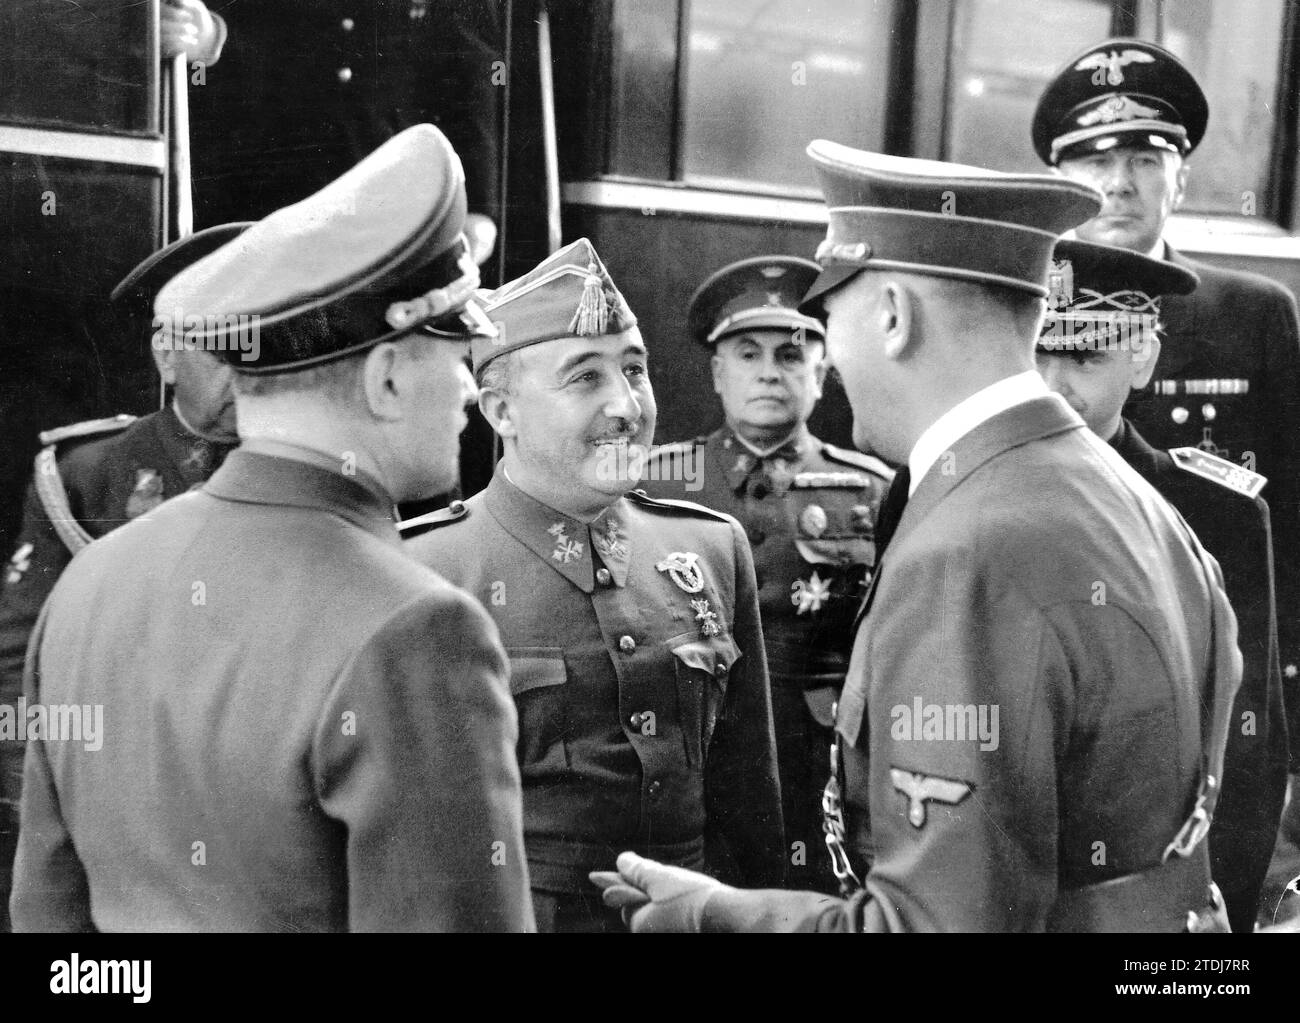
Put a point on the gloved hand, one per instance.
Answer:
(187, 27)
(655, 897)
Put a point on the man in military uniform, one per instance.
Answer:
(296, 710)
(808, 509)
(1124, 116)
(92, 477)
(1022, 731)
(632, 625)
(1099, 341)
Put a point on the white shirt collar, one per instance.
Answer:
(963, 417)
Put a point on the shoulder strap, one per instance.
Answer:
(857, 459)
(674, 507)
(54, 499)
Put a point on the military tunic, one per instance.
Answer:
(1234, 526)
(1228, 381)
(637, 667)
(809, 512)
(303, 730)
(90, 478)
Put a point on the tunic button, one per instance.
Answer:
(603, 576)
(456, 507)
(348, 24)
(627, 644)
(1179, 415)
(635, 721)
(345, 75)
(720, 669)
(654, 789)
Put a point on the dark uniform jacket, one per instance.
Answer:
(636, 664)
(1234, 527)
(90, 478)
(809, 513)
(302, 729)
(304, 89)
(1042, 578)
(1230, 371)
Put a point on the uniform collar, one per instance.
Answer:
(966, 415)
(778, 464)
(260, 473)
(569, 546)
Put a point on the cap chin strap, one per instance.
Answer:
(431, 305)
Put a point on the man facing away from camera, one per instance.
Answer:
(304, 730)
(1022, 734)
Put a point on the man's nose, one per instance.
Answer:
(768, 368)
(1118, 177)
(622, 402)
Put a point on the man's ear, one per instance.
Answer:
(165, 360)
(1144, 368)
(819, 367)
(715, 364)
(383, 378)
(895, 309)
(1180, 186)
(498, 410)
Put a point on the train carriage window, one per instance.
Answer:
(1233, 49)
(718, 92)
(1001, 60)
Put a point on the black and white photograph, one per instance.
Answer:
(650, 466)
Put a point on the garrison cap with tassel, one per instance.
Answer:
(939, 219)
(762, 293)
(1100, 296)
(376, 255)
(1119, 91)
(568, 294)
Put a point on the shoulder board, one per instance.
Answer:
(1219, 470)
(53, 496)
(412, 528)
(857, 459)
(89, 428)
(678, 447)
(677, 507)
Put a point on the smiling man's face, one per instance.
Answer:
(581, 412)
(1142, 186)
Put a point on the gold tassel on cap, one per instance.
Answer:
(593, 310)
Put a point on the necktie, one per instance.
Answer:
(891, 510)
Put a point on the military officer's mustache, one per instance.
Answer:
(619, 429)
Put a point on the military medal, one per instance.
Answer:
(684, 569)
(813, 520)
(809, 595)
(707, 618)
(566, 550)
(611, 543)
(147, 495)
(19, 563)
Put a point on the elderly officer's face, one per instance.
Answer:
(202, 383)
(769, 381)
(1096, 383)
(581, 413)
(1141, 186)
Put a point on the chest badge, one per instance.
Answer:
(920, 787)
(813, 520)
(147, 495)
(808, 595)
(684, 570)
(707, 617)
(19, 563)
(566, 549)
